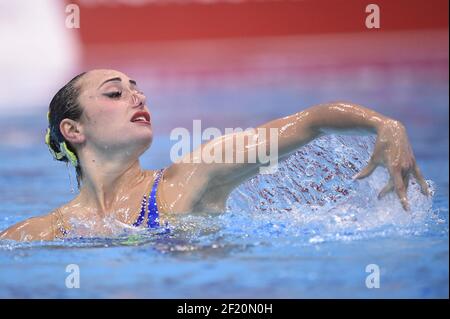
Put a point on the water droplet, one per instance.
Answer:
(309, 170)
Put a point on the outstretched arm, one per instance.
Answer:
(392, 149)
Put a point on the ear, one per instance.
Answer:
(72, 131)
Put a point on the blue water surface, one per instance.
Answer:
(308, 231)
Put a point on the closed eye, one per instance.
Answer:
(114, 95)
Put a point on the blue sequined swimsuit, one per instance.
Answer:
(150, 205)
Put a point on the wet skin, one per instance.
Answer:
(109, 144)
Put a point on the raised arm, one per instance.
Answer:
(392, 149)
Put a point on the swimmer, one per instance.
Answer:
(100, 123)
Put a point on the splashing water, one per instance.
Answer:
(313, 197)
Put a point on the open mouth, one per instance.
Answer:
(141, 117)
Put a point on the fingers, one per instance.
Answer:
(366, 171)
(399, 181)
(389, 187)
(400, 189)
(406, 177)
(419, 177)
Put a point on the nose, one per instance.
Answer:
(138, 99)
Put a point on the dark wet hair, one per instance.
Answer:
(64, 105)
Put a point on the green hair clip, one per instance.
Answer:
(57, 155)
(62, 146)
(69, 154)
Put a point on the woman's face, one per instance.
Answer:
(111, 102)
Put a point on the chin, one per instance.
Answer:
(140, 145)
(144, 135)
(144, 140)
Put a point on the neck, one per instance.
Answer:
(104, 182)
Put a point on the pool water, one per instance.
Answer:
(308, 231)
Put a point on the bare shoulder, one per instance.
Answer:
(184, 185)
(34, 228)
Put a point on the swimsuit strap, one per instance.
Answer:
(152, 207)
(142, 213)
(153, 214)
(59, 225)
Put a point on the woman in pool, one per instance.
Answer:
(100, 123)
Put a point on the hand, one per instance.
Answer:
(393, 151)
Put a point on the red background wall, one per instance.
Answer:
(112, 23)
